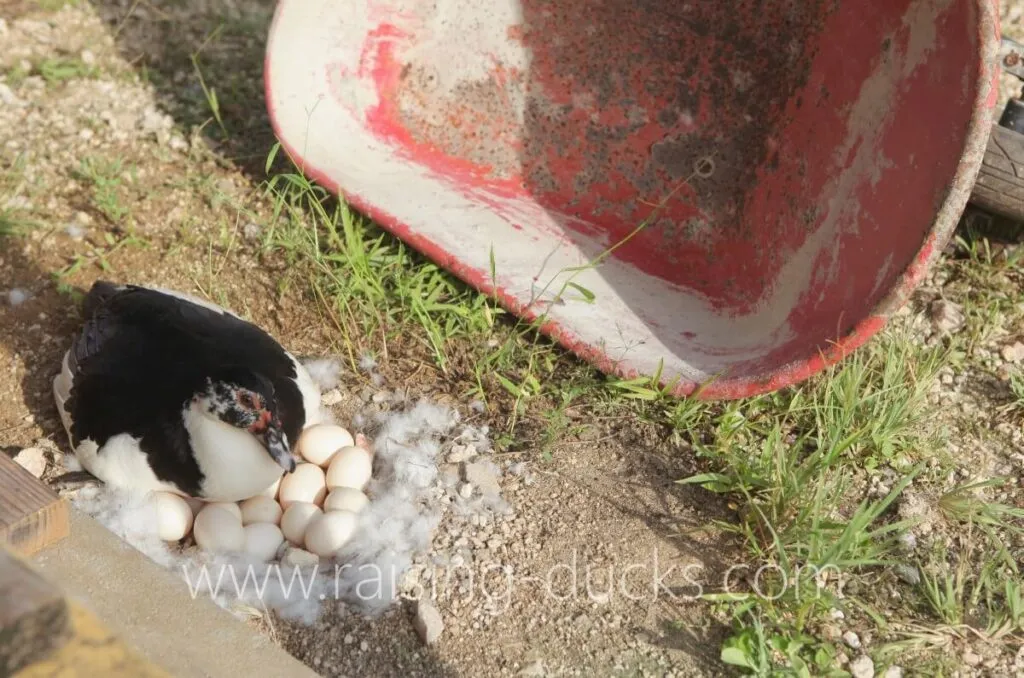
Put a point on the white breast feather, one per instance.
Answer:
(121, 463)
(235, 464)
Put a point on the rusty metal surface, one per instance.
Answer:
(794, 164)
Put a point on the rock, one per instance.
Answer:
(461, 453)
(153, 121)
(33, 460)
(297, 557)
(907, 573)
(851, 639)
(448, 474)
(946, 316)
(177, 143)
(253, 231)
(428, 622)
(972, 658)
(481, 475)
(862, 667)
(533, 670)
(1014, 353)
(830, 632)
(332, 397)
(8, 98)
(893, 672)
(75, 232)
(908, 542)
(466, 490)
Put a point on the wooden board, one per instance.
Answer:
(33, 615)
(92, 651)
(32, 516)
(42, 633)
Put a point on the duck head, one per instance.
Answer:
(245, 399)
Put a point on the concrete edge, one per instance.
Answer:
(153, 611)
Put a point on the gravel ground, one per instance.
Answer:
(91, 154)
(104, 155)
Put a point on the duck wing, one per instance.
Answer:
(149, 338)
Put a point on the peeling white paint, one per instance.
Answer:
(324, 120)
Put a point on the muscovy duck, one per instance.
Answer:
(164, 391)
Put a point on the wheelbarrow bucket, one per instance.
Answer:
(729, 195)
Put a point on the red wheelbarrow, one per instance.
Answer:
(731, 195)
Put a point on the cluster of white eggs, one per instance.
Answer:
(314, 508)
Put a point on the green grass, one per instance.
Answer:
(814, 474)
(795, 464)
(106, 178)
(54, 71)
(54, 5)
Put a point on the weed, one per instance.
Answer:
(106, 178)
(17, 75)
(98, 255)
(56, 71)
(793, 463)
(54, 5)
(791, 460)
(369, 281)
(209, 92)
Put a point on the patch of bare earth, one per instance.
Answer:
(590, 570)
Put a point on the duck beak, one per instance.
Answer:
(273, 439)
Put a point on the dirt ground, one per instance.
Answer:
(100, 153)
(115, 180)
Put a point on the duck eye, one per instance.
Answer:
(245, 400)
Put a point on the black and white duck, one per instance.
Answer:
(164, 391)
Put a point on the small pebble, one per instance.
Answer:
(8, 97)
(17, 297)
(428, 622)
(1013, 353)
(852, 639)
(908, 542)
(862, 667)
(480, 474)
(461, 453)
(33, 460)
(533, 670)
(946, 316)
(893, 672)
(907, 573)
(300, 558)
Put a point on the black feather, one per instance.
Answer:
(141, 355)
